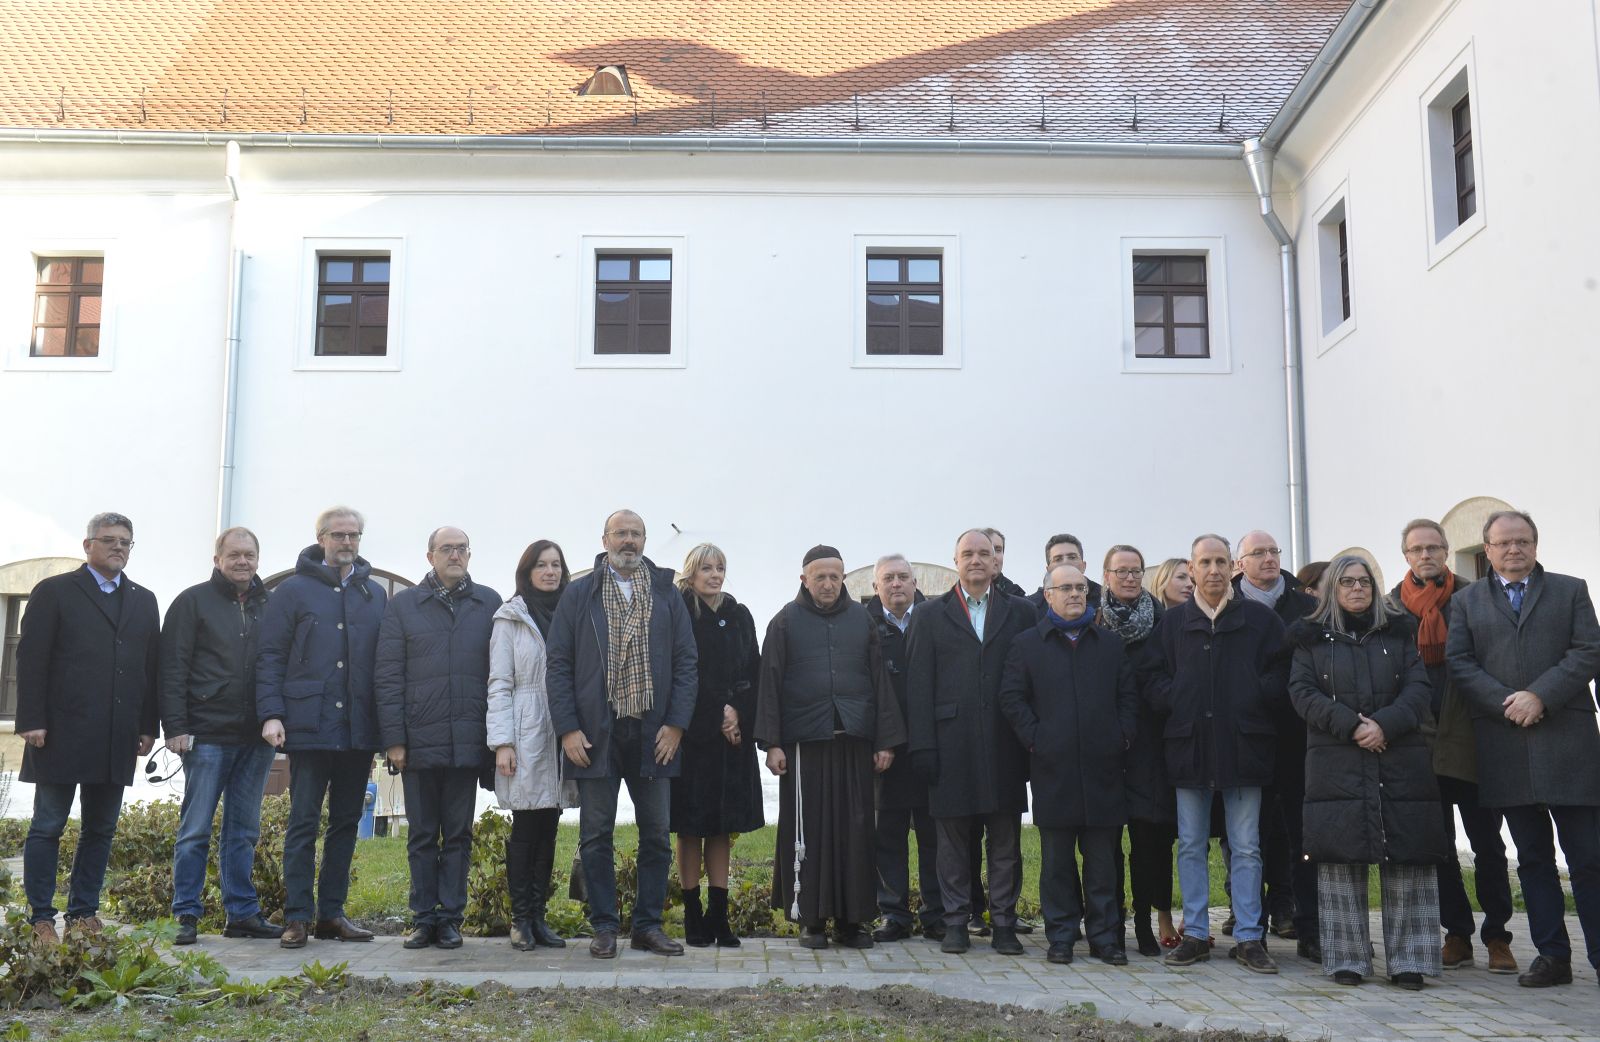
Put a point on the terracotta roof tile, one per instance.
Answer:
(1201, 70)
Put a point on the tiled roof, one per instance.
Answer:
(1202, 71)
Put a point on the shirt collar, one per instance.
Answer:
(100, 580)
(1526, 580)
(975, 602)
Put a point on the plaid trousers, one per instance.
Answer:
(1410, 897)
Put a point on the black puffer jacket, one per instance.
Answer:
(1366, 807)
(208, 662)
(432, 677)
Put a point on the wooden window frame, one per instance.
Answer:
(1167, 290)
(1450, 110)
(634, 285)
(1461, 148)
(1344, 268)
(904, 288)
(356, 290)
(74, 291)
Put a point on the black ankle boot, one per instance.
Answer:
(717, 917)
(519, 882)
(695, 934)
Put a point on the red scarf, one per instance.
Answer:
(1426, 601)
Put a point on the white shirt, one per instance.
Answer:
(623, 583)
(904, 620)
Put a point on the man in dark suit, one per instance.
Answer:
(87, 709)
(1523, 646)
(962, 745)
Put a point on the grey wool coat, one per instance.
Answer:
(1553, 650)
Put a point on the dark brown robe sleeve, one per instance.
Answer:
(889, 731)
(769, 694)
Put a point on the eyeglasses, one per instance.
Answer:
(343, 537)
(453, 549)
(109, 541)
(1350, 582)
(1128, 573)
(1504, 544)
(1071, 587)
(1264, 551)
(1431, 550)
(626, 533)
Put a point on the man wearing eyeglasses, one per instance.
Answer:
(314, 699)
(1065, 548)
(1425, 594)
(1291, 880)
(432, 691)
(86, 708)
(208, 711)
(1522, 647)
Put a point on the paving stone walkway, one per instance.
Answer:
(1299, 1003)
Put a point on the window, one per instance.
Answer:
(353, 305)
(66, 307)
(633, 304)
(1461, 144)
(1452, 143)
(1332, 240)
(905, 304)
(1169, 307)
(608, 80)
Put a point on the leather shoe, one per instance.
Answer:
(1309, 949)
(447, 935)
(1111, 955)
(814, 936)
(294, 934)
(1546, 972)
(852, 935)
(188, 929)
(421, 936)
(934, 931)
(891, 931)
(1408, 981)
(956, 941)
(341, 929)
(255, 926)
(1060, 954)
(44, 932)
(1005, 941)
(654, 940)
(1500, 958)
(1349, 978)
(604, 945)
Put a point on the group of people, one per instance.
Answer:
(1318, 728)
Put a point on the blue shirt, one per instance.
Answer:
(977, 608)
(106, 585)
(902, 622)
(1505, 585)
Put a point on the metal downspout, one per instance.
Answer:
(1258, 160)
(230, 367)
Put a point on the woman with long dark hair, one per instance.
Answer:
(719, 792)
(527, 751)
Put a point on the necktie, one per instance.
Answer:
(1514, 590)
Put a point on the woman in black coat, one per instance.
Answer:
(1371, 797)
(1131, 612)
(719, 791)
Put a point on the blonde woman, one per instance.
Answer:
(1170, 582)
(718, 792)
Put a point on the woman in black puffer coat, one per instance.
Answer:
(718, 794)
(1371, 797)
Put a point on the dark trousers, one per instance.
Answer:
(440, 802)
(955, 866)
(1302, 872)
(1493, 878)
(1059, 885)
(340, 778)
(1541, 885)
(1150, 865)
(41, 851)
(894, 874)
(980, 897)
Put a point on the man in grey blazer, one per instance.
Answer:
(1522, 648)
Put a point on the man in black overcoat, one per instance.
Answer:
(87, 708)
(961, 743)
(1070, 694)
(1523, 646)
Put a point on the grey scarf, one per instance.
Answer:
(1132, 622)
(1260, 596)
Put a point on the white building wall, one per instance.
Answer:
(1473, 372)
(767, 441)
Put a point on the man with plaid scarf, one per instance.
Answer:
(622, 684)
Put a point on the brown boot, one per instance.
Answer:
(44, 932)
(1500, 958)
(1457, 951)
(294, 934)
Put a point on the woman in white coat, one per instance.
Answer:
(527, 750)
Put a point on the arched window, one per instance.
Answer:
(607, 81)
(1463, 528)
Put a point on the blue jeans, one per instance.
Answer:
(41, 853)
(341, 778)
(1242, 807)
(597, 817)
(235, 775)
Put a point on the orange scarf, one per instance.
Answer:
(1426, 601)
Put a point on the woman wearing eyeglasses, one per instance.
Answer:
(1371, 797)
(1131, 612)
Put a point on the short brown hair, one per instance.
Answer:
(1506, 515)
(1422, 522)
